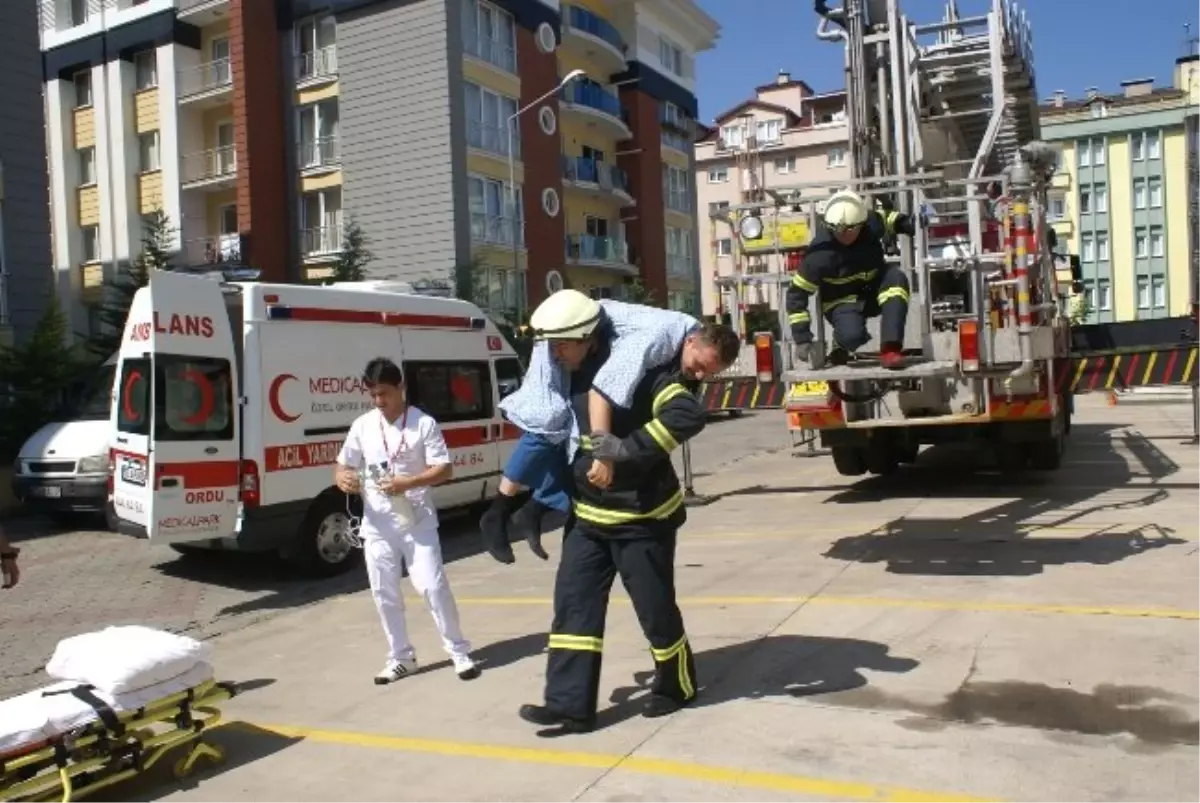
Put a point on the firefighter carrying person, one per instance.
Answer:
(627, 528)
(846, 261)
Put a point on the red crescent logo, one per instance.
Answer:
(273, 398)
(207, 400)
(126, 392)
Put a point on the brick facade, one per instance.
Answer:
(647, 231)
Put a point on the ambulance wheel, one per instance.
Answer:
(320, 548)
(850, 461)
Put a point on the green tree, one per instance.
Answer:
(470, 284)
(118, 291)
(352, 261)
(36, 376)
(636, 292)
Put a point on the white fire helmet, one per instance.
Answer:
(565, 315)
(844, 210)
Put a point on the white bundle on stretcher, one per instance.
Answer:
(126, 668)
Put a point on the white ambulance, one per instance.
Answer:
(232, 400)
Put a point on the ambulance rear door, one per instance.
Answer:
(176, 451)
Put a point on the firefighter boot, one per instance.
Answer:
(528, 522)
(493, 525)
(891, 357)
(549, 718)
(838, 356)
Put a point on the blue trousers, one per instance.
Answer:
(541, 466)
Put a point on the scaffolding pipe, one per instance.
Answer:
(1023, 239)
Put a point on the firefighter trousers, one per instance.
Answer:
(581, 590)
(889, 300)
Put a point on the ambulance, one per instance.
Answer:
(231, 401)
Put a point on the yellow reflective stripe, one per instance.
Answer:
(666, 394)
(678, 649)
(889, 222)
(585, 442)
(562, 641)
(828, 305)
(893, 292)
(865, 276)
(804, 284)
(799, 317)
(598, 515)
(662, 436)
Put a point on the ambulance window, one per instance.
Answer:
(193, 399)
(133, 398)
(508, 376)
(450, 391)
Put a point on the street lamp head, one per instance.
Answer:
(571, 76)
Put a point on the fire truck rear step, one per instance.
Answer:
(915, 369)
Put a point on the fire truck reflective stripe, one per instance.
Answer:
(378, 317)
(741, 397)
(728, 391)
(804, 284)
(210, 474)
(754, 398)
(1035, 408)
(1078, 373)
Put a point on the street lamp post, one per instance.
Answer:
(512, 176)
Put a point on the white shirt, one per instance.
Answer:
(409, 446)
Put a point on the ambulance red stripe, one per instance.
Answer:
(324, 453)
(378, 317)
(209, 474)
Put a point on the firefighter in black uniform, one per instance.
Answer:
(629, 529)
(845, 260)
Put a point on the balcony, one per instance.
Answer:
(498, 53)
(680, 266)
(597, 178)
(319, 155)
(492, 139)
(201, 12)
(593, 37)
(496, 230)
(210, 170)
(679, 201)
(206, 85)
(220, 250)
(317, 66)
(594, 105)
(600, 252)
(321, 242)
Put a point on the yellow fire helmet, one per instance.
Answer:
(565, 315)
(844, 210)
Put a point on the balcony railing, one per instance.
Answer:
(673, 139)
(679, 266)
(57, 15)
(218, 250)
(581, 19)
(321, 241)
(495, 229)
(208, 165)
(492, 138)
(319, 63)
(588, 248)
(679, 201)
(207, 77)
(184, 5)
(320, 152)
(608, 176)
(595, 97)
(494, 51)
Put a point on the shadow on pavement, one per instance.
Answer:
(774, 666)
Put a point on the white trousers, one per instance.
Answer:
(421, 551)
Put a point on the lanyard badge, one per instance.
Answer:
(393, 457)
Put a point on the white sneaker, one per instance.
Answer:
(395, 670)
(466, 668)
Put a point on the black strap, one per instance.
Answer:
(103, 710)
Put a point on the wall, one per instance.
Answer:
(26, 255)
(1175, 202)
(1120, 229)
(646, 231)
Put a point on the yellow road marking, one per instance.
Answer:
(822, 788)
(977, 606)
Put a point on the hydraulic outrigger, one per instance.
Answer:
(943, 122)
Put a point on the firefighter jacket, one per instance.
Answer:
(645, 496)
(844, 273)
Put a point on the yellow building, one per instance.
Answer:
(1122, 197)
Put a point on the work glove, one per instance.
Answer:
(606, 446)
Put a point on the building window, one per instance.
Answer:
(489, 33)
(1085, 202)
(316, 48)
(1152, 145)
(769, 131)
(1156, 197)
(145, 69)
(1101, 247)
(1105, 302)
(718, 175)
(1087, 250)
(677, 190)
(493, 217)
(1143, 145)
(724, 247)
(1083, 153)
(671, 55)
(1156, 241)
(1098, 152)
(679, 252)
(1143, 292)
(1099, 109)
(488, 115)
(91, 243)
(87, 166)
(1140, 246)
(148, 151)
(1058, 208)
(1101, 199)
(785, 165)
(836, 157)
(1158, 291)
(1139, 194)
(715, 207)
(79, 12)
(83, 89)
(732, 136)
(318, 125)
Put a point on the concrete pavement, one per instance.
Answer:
(941, 634)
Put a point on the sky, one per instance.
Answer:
(1077, 44)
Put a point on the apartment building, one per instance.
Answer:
(25, 275)
(786, 134)
(1124, 196)
(442, 127)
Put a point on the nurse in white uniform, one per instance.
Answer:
(393, 455)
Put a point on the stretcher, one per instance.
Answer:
(68, 739)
